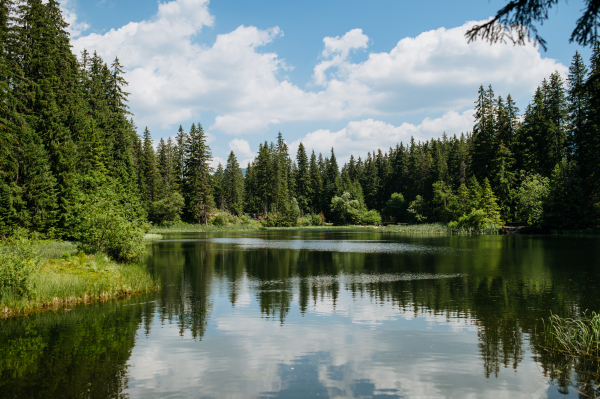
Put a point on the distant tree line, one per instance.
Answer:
(72, 164)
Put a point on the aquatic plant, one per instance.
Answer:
(578, 337)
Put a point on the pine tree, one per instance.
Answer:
(316, 184)
(280, 176)
(150, 173)
(233, 185)
(589, 149)
(166, 166)
(180, 156)
(489, 204)
(264, 178)
(578, 102)
(198, 191)
(484, 134)
(331, 183)
(218, 189)
(304, 188)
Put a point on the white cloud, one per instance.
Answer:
(242, 151)
(360, 137)
(340, 49)
(75, 28)
(173, 78)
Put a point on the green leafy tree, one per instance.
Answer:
(346, 210)
(395, 207)
(531, 197)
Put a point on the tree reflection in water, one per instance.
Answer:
(501, 286)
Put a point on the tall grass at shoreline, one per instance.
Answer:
(193, 228)
(577, 337)
(428, 228)
(44, 275)
(439, 228)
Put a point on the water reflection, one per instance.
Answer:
(285, 314)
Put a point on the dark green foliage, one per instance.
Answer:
(395, 207)
(304, 188)
(16, 265)
(105, 219)
(65, 131)
(233, 186)
(199, 201)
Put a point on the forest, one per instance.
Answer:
(73, 165)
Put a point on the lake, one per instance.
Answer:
(316, 313)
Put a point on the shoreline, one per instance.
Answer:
(59, 280)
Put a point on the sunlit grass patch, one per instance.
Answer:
(577, 337)
(192, 228)
(439, 228)
(72, 279)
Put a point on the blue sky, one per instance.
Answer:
(355, 75)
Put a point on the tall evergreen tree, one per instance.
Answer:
(304, 188)
(316, 183)
(578, 102)
(233, 185)
(198, 191)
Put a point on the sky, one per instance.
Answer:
(353, 75)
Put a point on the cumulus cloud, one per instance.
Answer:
(339, 48)
(173, 77)
(75, 27)
(360, 137)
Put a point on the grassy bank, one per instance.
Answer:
(439, 228)
(48, 275)
(428, 228)
(197, 228)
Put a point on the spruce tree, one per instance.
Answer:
(198, 191)
(219, 189)
(484, 133)
(304, 188)
(233, 185)
(316, 184)
(578, 102)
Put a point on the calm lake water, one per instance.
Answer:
(321, 314)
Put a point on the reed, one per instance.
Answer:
(440, 228)
(194, 228)
(577, 337)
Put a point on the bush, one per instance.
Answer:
(395, 207)
(245, 219)
(221, 219)
(476, 220)
(418, 209)
(317, 220)
(16, 266)
(104, 220)
(371, 217)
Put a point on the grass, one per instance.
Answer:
(72, 279)
(152, 237)
(427, 228)
(438, 228)
(580, 338)
(193, 228)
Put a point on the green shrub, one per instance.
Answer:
(221, 219)
(17, 263)
(103, 220)
(317, 220)
(476, 221)
(371, 217)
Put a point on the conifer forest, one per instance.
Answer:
(72, 156)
